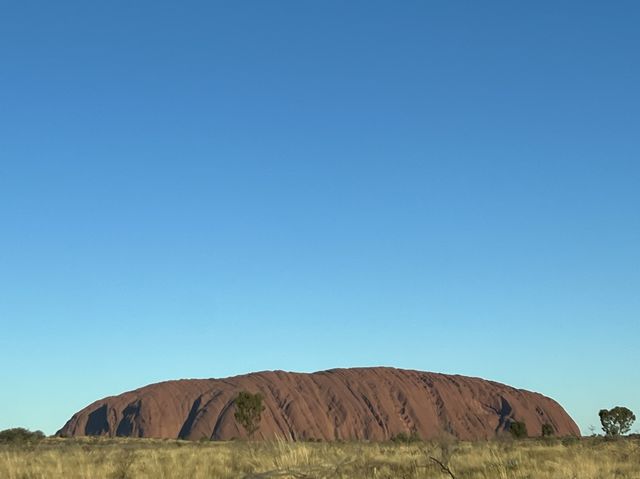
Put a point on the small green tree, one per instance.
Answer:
(616, 421)
(518, 429)
(547, 430)
(249, 409)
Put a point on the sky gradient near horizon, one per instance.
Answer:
(203, 189)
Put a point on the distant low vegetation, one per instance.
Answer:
(20, 435)
(405, 438)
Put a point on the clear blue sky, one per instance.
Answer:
(202, 189)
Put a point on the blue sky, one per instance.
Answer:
(206, 189)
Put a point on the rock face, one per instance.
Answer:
(359, 403)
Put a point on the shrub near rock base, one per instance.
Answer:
(518, 429)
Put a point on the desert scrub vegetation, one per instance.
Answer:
(587, 458)
(19, 435)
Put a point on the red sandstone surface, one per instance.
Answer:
(358, 403)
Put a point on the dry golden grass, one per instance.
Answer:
(155, 459)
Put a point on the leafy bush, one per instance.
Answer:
(20, 434)
(518, 429)
(547, 430)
